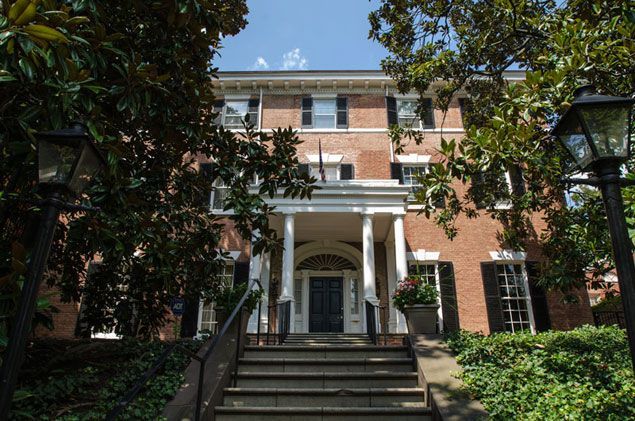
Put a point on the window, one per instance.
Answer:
(411, 174)
(208, 314)
(491, 189)
(232, 113)
(325, 113)
(425, 271)
(514, 296)
(354, 296)
(407, 116)
(297, 295)
(219, 194)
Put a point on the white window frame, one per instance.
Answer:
(414, 183)
(417, 123)
(201, 305)
(504, 204)
(314, 114)
(218, 187)
(225, 115)
(511, 257)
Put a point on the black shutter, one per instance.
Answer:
(303, 169)
(449, 303)
(189, 320)
(516, 177)
(478, 181)
(218, 108)
(253, 111)
(427, 114)
(396, 172)
(207, 173)
(492, 297)
(241, 273)
(391, 108)
(307, 112)
(346, 172)
(538, 297)
(342, 112)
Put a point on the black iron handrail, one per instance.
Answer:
(371, 321)
(152, 371)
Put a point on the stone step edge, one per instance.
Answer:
(385, 348)
(374, 391)
(317, 375)
(334, 410)
(325, 361)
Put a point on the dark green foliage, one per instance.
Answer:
(138, 74)
(582, 374)
(229, 296)
(83, 381)
(469, 45)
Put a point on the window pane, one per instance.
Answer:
(297, 295)
(354, 296)
(406, 107)
(324, 106)
(238, 108)
(514, 299)
(324, 121)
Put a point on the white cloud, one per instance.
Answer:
(294, 60)
(260, 64)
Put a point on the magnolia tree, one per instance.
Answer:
(469, 45)
(138, 74)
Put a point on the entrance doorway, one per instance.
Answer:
(326, 308)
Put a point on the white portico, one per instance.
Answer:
(328, 267)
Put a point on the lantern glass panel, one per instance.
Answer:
(56, 159)
(574, 139)
(609, 128)
(88, 166)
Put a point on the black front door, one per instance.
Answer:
(326, 309)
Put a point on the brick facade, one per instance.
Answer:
(366, 145)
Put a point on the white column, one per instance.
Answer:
(401, 262)
(368, 246)
(264, 280)
(254, 273)
(287, 265)
(391, 274)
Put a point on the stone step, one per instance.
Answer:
(311, 365)
(327, 335)
(325, 351)
(251, 413)
(325, 343)
(325, 380)
(373, 397)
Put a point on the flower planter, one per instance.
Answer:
(421, 318)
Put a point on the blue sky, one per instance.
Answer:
(303, 35)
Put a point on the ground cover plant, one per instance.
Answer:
(82, 380)
(582, 374)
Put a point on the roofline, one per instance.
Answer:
(326, 75)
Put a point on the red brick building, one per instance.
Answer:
(360, 233)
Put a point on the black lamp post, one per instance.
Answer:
(597, 131)
(67, 161)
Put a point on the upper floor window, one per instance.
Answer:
(334, 169)
(427, 272)
(493, 189)
(411, 175)
(232, 113)
(403, 112)
(325, 113)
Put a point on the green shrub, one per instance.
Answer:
(84, 381)
(582, 374)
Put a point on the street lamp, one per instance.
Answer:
(597, 132)
(67, 162)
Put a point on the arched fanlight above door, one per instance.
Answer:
(326, 262)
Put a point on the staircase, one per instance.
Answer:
(325, 377)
